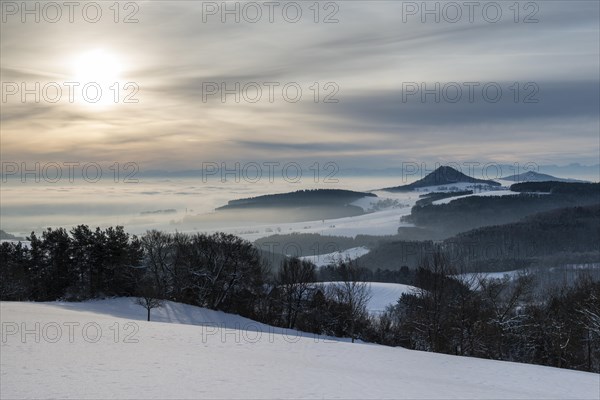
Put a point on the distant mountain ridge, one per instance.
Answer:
(444, 175)
(532, 176)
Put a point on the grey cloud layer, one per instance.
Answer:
(369, 54)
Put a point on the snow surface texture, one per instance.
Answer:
(173, 360)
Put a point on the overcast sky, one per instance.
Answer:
(369, 61)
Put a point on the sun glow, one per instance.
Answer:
(99, 76)
(97, 66)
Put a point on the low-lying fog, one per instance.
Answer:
(152, 203)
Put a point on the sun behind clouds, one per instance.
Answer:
(97, 66)
(99, 75)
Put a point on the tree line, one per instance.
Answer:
(217, 271)
(497, 319)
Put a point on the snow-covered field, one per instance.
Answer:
(384, 294)
(105, 350)
(384, 222)
(456, 186)
(473, 279)
(321, 260)
(488, 193)
(366, 203)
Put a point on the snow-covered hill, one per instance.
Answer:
(484, 194)
(170, 312)
(532, 176)
(103, 350)
(384, 294)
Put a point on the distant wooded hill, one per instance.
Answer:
(532, 176)
(473, 212)
(299, 206)
(442, 176)
(573, 233)
(577, 188)
(300, 198)
(569, 235)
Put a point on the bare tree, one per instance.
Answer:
(591, 313)
(504, 296)
(148, 296)
(436, 289)
(158, 249)
(352, 291)
(295, 278)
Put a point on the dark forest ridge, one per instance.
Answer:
(444, 175)
(300, 198)
(575, 188)
(532, 176)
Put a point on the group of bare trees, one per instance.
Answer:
(503, 319)
(352, 291)
(217, 271)
(297, 300)
(591, 314)
(296, 283)
(224, 272)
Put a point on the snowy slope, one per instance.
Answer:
(455, 186)
(473, 278)
(488, 193)
(170, 312)
(383, 294)
(321, 260)
(169, 360)
(366, 203)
